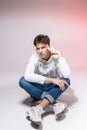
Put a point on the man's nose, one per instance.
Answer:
(40, 50)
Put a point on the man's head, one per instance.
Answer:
(42, 44)
(42, 39)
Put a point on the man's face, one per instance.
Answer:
(42, 51)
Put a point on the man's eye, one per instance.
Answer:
(37, 48)
(43, 47)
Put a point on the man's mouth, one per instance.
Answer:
(41, 54)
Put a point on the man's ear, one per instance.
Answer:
(48, 46)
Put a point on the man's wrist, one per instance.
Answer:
(59, 54)
(48, 80)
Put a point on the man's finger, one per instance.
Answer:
(66, 83)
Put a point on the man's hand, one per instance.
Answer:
(60, 83)
(54, 52)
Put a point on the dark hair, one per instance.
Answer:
(42, 39)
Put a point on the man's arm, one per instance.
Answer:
(29, 72)
(54, 52)
(63, 66)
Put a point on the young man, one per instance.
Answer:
(45, 78)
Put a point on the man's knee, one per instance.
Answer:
(66, 79)
(21, 81)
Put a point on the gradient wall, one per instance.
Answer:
(64, 22)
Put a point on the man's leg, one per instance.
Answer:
(35, 112)
(47, 97)
(59, 108)
(44, 103)
(51, 95)
(34, 89)
(55, 91)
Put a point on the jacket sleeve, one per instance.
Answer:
(63, 67)
(29, 72)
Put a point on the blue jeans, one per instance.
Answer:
(39, 91)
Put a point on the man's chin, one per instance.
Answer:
(42, 57)
(45, 58)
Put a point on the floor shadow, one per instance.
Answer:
(29, 101)
(39, 127)
(69, 97)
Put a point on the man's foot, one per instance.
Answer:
(35, 115)
(59, 110)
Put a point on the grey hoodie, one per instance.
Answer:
(38, 69)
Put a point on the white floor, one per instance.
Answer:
(14, 102)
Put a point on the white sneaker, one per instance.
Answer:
(59, 109)
(35, 115)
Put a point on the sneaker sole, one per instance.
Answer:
(61, 114)
(35, 122)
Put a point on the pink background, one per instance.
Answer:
(64, 22)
